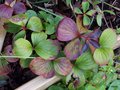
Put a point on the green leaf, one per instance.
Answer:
(25, 63)
(108, 38)
(20, 19)
(90, 87)
(79, 74)
(37, 37)
(98, 79)
(91, 12)
(99, 19)
(103, 55)
(30, 13)
(118, 30)
(11, 27)
(77, 10)
(54, 87)
(62, 66)
(115, 85)
(85, 6)
(21, 34)
(50, 29)
(68, 2)
(35, 24)
(86, 20)
(22, 47)
(109, 11)
(46, 49)
(85, 61)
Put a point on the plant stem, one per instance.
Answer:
(16, 57)
(112, 6)
(48, 11)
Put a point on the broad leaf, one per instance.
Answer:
(108, 38)
(85, 6)
(21, 34)
(20, 19)
(62, 66)
(22, 47)
(72, 49)
(46, 49)
(30, 13)
(19, 8)
(67, 29)
(85, 61)
(50, 29)
(42, 67)
(37, 37)
(5, 11)
(35, 24)
(11, 27)
(103, 55)
(115, 85)
(86, 20)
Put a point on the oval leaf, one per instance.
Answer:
(46, 49)
(42, 67)
(5, 11)
(108, 38)
(37, 37)
(103, 55)
(62, 66)
(72, 49)
(35, 24)
(22, 47)
(85, 61)
(67, 30)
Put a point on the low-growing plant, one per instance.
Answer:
(50, 45)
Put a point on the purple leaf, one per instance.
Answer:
(4, 70)
(94, 43)
(95, 34)
(62, 66)
(8, 52)
(67, 30)
(84, 48)
(5, 11)
(42, 67)
(8, 2)
(72, 50)
(19, 8)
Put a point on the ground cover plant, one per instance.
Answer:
(73, 40)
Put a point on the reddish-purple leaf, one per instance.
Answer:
(84, 48)
(42, 67)
(8, 2)
(62, 66)
(94, 43)
(73, 48)
(8, 52)
(67, 30)
(95, 34)
(19, 8)
(5, 11)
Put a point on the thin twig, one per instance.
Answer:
(16, 57)
(112, 6)
(48, 11)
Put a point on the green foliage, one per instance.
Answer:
(22, 47)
